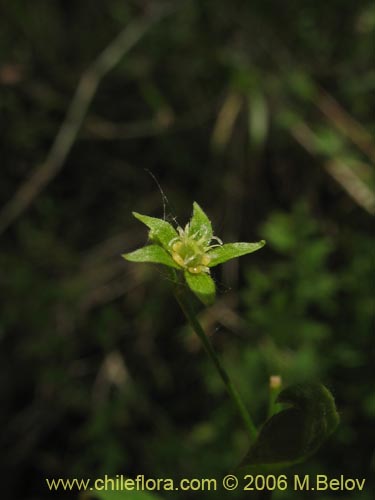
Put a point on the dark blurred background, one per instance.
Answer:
(261, 111)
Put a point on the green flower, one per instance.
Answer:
(192, 250)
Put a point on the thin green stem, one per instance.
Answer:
(189, 312)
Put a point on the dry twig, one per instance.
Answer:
(352, 183)
(345, 123)
(66, 136)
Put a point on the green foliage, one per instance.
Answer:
(295, 433)
(281, 298)
(98, 372)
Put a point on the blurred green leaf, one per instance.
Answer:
(293, 434)
(329, 142)
(302, 84)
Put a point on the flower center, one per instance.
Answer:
(189, 254)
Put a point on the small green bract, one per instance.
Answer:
(192, 250)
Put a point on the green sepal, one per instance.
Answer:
(200, 224)
(221, 254)
(202, 285)
(161, 230)
(151, 253)
(295, 433)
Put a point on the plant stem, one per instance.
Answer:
(189, 312)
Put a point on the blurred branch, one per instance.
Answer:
(341, 172)
(107, 130)
(285, 61)
(108, 292)
(345, 123)
(225, 121)
(75, 115)
(104, 275)
(164, 122)
(352, 184)
(110, 248)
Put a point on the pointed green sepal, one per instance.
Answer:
(152, 253)
(295, 433)
(202, 285)
(160, 230)
(200, 224)
(221, 254)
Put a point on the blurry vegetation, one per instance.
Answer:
(261, 111)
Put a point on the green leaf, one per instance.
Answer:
(151, 253)
(161, 230)
(293, 434)
(203, 286)
(200, 223)
(229, 251)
